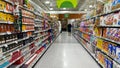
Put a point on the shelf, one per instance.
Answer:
(88, 26)
(109, 40)
(38, 26)
(27, 23)
(5, 22)
(109, 26)
(18, 48)
(106, 54)
(27, 58)
(8, 1)
(37, 20)
(45, 38)
(103, 38)
(11, 42)
(27, 30)
(108, 13)
(27, 17)
(39, 15)
(6, 12)
(42, 30)
(20, 56)
(114, 11)
(40, 36)
(39, 55)
(26, 9)
(92, 55)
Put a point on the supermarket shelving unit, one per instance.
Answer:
(25, 35)
(100, 40)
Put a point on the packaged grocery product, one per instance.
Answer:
(3, 4)
(109, 19)
(118, 54)
(19, 61)
(9, 8)
(119, 18)
(108, 6)
(100, 7)
(116, 19)
(106, 63)
(105, 46)
(114, 4)
(3, 17)
(23, 27)
(118, 35)
(102, 21)
(110, 49)
(99, 43)
(114, 51)
(97, 31)
(118, 4)
(104, 33)
(110, 64)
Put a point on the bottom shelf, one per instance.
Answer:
(39, 56)
(90, 53)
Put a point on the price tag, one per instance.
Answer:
(8, 32)
(6, 45)
(16, 41)
(10, 53)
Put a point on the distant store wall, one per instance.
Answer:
(70, 16)
(65, 17)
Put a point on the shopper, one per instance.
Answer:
(69, 27)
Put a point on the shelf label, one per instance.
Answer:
(6, 45)
(16, 41)
(8, 32)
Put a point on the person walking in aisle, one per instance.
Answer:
(69, 27)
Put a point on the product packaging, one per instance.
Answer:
(116, 19)
(106, 63)
(114, 51)
(108, 6)
(114, 4)
(3, 4)
(110, 64)
(110, 49)
(118, 54)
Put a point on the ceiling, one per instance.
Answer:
(52, 5)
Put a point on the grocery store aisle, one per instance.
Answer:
(66, 52)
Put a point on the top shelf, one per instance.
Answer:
(8, 1)
(26, 9)
(109, 26)
(114, 11)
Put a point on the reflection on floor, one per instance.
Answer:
(66, 52)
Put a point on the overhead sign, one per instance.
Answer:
(67, 3)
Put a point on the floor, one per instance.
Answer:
(66, 52)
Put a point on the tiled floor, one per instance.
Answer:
(66, 52)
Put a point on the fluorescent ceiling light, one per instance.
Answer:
(51, 8)
(85, 10)
(63, 12)
(64, 8)
(90, 6)
(47, 2)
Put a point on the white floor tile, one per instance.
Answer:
(66, 52)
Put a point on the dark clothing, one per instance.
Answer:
(69, 27)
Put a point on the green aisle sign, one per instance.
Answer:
(67, 3)
(66, 15)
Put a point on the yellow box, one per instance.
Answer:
(2, 5)
(23, 27)
(99, 43)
